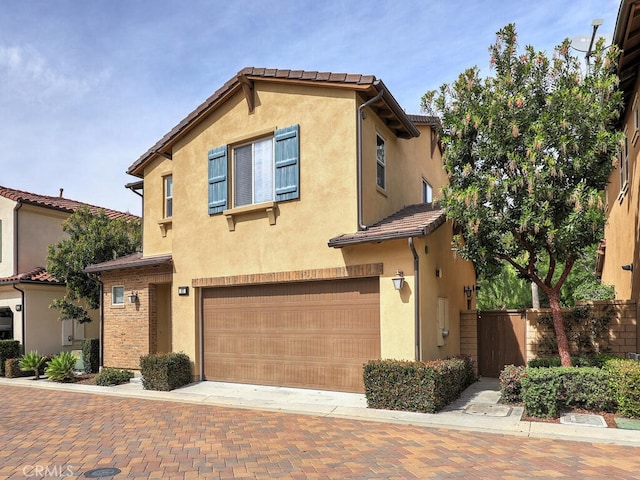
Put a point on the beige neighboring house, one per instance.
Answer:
(29, 223)
(277, 217)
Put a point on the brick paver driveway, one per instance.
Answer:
(53, 434)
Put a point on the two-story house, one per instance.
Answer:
(290, 235)
(29, 223)
(619, 255)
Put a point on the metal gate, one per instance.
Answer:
(502, 339)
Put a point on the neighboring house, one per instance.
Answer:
(29, 223)
(619, 255)
(276, 216)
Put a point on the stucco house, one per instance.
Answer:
(280, 218)
(619, 253)
(29, 223)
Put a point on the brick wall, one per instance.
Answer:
(130, 329)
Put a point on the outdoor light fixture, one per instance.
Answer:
(133, 298)
(467, 291)
(18, 308)
(398, 280)
(628, 268)
(183, 291)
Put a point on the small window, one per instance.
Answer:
(253, 173)
(381, 176)
(117, 295)
(624, 166)
(427, 192)
(168, 196)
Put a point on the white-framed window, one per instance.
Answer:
(427, 192)
(636, 120)
(168, 196)
(253, 172)
(117, 295)
(381, 162)
(624, 165)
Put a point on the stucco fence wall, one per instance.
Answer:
(623, 329)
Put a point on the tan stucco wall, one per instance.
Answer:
(37, 229)
(622, 232)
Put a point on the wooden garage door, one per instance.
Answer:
(308, 334)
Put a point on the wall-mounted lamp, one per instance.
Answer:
(398, 280)
(183, 291)
(18, 308)
(438, 273)
(468, 291)
(628, 268)
(133, 298)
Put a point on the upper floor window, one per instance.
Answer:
(117, 295)
(253, 173)
(262, 170)
(381, 154)
(427, 192)
(168, 196)
(624, 165)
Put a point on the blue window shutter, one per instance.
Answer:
(287, 163)
(218, 179)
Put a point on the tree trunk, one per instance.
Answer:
(558, 325)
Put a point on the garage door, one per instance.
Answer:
(308, 334)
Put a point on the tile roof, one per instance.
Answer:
(36, 275)
(57, 203)
(368, 85)
(129, 261)
(412, 221)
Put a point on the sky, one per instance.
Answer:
(86, 87)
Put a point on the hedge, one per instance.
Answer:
(546, 391)
(113, 376)
(91, 355)
(165, 371)
(8, 349)
(625, 377)
(416, 386)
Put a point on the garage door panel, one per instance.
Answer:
(311, 334)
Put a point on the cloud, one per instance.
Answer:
(27, 76)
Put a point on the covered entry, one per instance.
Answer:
(315, 334)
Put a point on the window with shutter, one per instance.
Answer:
(381, 173)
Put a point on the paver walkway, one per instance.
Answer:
(68, 433)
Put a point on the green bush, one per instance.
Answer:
(576, 361)
(91, 355)
(8, 349)
(12, 369)
(625, 381)
(547, 391)
(510, 384)
(416, 386)
(32, 362)
(165, 371)
(61, 368)
(113, 376)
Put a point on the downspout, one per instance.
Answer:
(361, 225)
(15, 237)
(416, 313)
(201, 333)
(23, 316)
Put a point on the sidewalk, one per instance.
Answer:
(477, 409)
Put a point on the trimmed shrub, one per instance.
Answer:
(165, 371)
(91, 355)
(510, 384)
(576, 361)
(625, 381)
(547, 391)
(113, 376)
(12, 369)
(8, 349)
(61, 368)
(416, 386)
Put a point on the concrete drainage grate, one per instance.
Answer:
(583, 419)
(102, 472)
(488, 410)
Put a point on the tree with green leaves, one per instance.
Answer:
(93, 237)
(528, 152)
